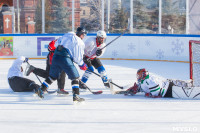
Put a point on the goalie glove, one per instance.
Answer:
(133, 90)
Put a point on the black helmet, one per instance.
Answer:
(80, 31)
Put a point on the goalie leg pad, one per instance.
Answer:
(181, 83)
(186, 92)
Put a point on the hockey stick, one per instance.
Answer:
(49, 92)
(93, 92)
(114, 39)
(96, 92)
(110, 82)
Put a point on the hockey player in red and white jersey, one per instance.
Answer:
(45, 73)
(157, 87)
(92, 52)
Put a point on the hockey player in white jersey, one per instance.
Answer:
(157, 87)
(92, 52)
(69, 49)
(16, 80)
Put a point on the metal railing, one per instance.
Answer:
(146, 16)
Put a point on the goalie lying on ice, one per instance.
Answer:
(156, 87)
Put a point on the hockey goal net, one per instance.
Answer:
(194, 51)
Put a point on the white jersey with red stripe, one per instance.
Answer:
(91, 48)
(156, 86)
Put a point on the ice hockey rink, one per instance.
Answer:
(105, 113)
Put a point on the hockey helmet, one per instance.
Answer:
(141, 74)
(51, 46)
(80, 31)
(101, 34)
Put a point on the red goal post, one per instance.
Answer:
(194, 56)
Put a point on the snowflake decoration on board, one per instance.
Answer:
(147, 43)
(160, 54)
(16, 52)
(114, 53)
(27, 43)
(177, 47)
(131, 47)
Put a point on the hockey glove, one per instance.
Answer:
(26, 60)
(83, 67)
(133, 90)
(86, 59)
(147, 95)
(98, 52)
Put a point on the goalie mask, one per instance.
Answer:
(141, 74)
(101, 37)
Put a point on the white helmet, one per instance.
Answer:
(101, 34)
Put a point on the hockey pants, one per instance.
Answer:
(20, 84)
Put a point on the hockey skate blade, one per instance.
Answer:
(51, 92)
(26, 69)
(82, 90)
(112, 90)
(78, 103)
(62, 95)
(37, 97)
(111, 87)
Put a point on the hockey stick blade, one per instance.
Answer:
(97, 92)
(120, 92)
(51, 92)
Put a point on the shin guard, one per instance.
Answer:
(103, 74)
(75, 87)
(46, 83)
(87, 74)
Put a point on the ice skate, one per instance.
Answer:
(109, 86)
(62, 92)
(39, 92)
(29, 69)
(77, 99)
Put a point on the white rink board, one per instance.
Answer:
(130, 46)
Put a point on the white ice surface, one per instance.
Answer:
(105, 113)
